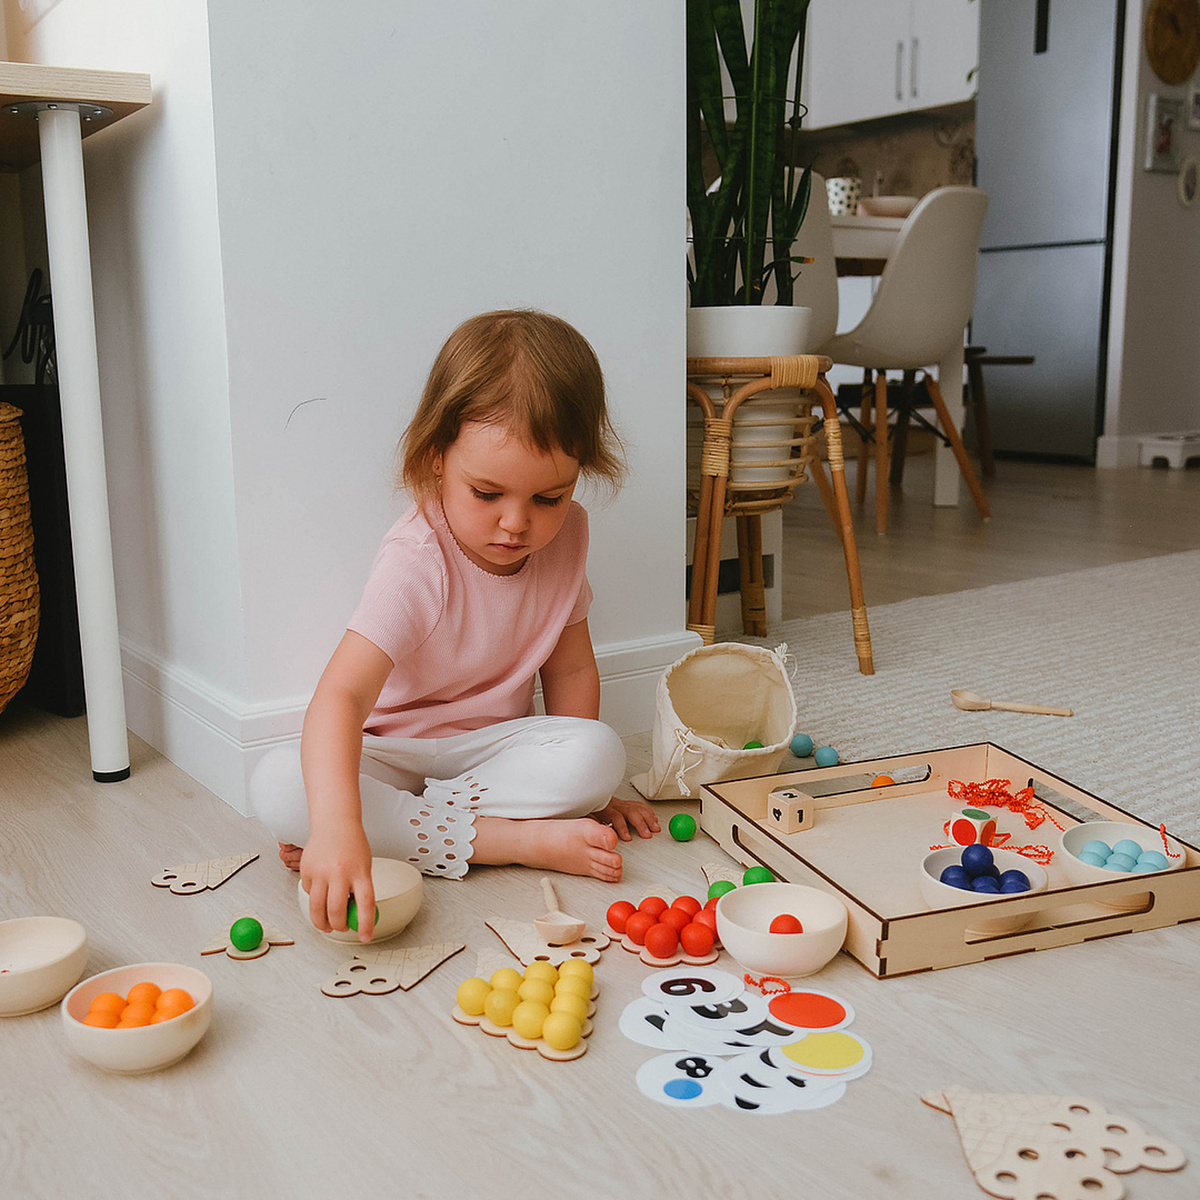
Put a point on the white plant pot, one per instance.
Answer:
(749, 331)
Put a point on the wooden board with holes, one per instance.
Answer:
(866, 846)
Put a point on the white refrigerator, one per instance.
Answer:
(1045, 148)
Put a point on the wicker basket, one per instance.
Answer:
(18, 575)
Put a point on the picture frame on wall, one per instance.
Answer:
(1164, 123)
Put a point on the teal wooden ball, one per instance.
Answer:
(802, 745)
(826, 756)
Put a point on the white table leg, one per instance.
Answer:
(79, 390)
(946, 473)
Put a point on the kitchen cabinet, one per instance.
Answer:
(879, 58)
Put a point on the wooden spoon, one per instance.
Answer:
(969, 702)
(556, 927)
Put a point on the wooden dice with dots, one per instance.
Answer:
(789, 810)
(970, 825)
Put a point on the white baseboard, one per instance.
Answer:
(1118, 450)
(218, 740)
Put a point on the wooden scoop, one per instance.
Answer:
(556, 927)
(969, 702)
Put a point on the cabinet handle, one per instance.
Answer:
(899, 70)
(913, 89)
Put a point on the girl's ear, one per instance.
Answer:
(436, 464)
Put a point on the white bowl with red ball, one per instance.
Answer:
(745, 916)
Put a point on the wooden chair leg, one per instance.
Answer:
(860, 480)
(881, 451)
(956, 445)
(752, 581)
(900, 430)
(837, 473)
(983, 432)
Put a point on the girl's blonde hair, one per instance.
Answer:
(526, 370)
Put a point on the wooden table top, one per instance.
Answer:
(121, 92)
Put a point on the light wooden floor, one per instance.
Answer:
(295, 1094)
(1046, 519)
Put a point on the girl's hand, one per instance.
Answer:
(622, 814)
(334, 866)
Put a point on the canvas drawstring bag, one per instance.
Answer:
(708, 705)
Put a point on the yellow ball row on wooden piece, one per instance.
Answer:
(545, 1002)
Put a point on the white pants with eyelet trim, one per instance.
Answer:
(420, 796)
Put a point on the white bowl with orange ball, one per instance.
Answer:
(40, 959)
(745, 916)
(135, 1050)
(398, 889)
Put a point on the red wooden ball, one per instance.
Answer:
(618, 914)
(707, 917)
(661, 940)
(689, 904)
(636, 926)
(653, 905)
(786, 923)
(675, 917)
(697, 939)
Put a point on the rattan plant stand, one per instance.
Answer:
(19, 599)
(767, 483)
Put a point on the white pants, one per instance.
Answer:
(420, 796)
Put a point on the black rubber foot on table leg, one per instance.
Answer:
(110, 776)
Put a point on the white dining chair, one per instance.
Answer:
(920, 310)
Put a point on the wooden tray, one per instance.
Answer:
(866, 846)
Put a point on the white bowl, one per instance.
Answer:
(1072, 840)
(41, 958)
(744, 918)
(886, 206)
(937, 894)
(397, 896)
(151, 1047)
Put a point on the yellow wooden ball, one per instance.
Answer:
(562, 1030)
(506, 978)
(577, 966)
(499, 1006)
(536, 989)
(575, 1005)
(573, 985)
(471, 995)
(528, 1018)
(542, 970)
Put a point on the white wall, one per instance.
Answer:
(1154, 350)
(281, 243)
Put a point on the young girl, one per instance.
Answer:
(421, 742)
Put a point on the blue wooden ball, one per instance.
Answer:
(826, 756)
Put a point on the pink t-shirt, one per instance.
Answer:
(466, 644)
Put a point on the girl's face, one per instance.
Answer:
(503, 499)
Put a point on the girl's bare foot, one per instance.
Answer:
(289, 855)
(575, 847)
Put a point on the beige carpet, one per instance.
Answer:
(1120, 645)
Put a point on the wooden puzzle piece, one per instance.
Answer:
(271, 937)
(377, 972)
(721, 873)
(693, 960)
(1056, 1147)
(190, 878)
(522, 938)
(539, 1044)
